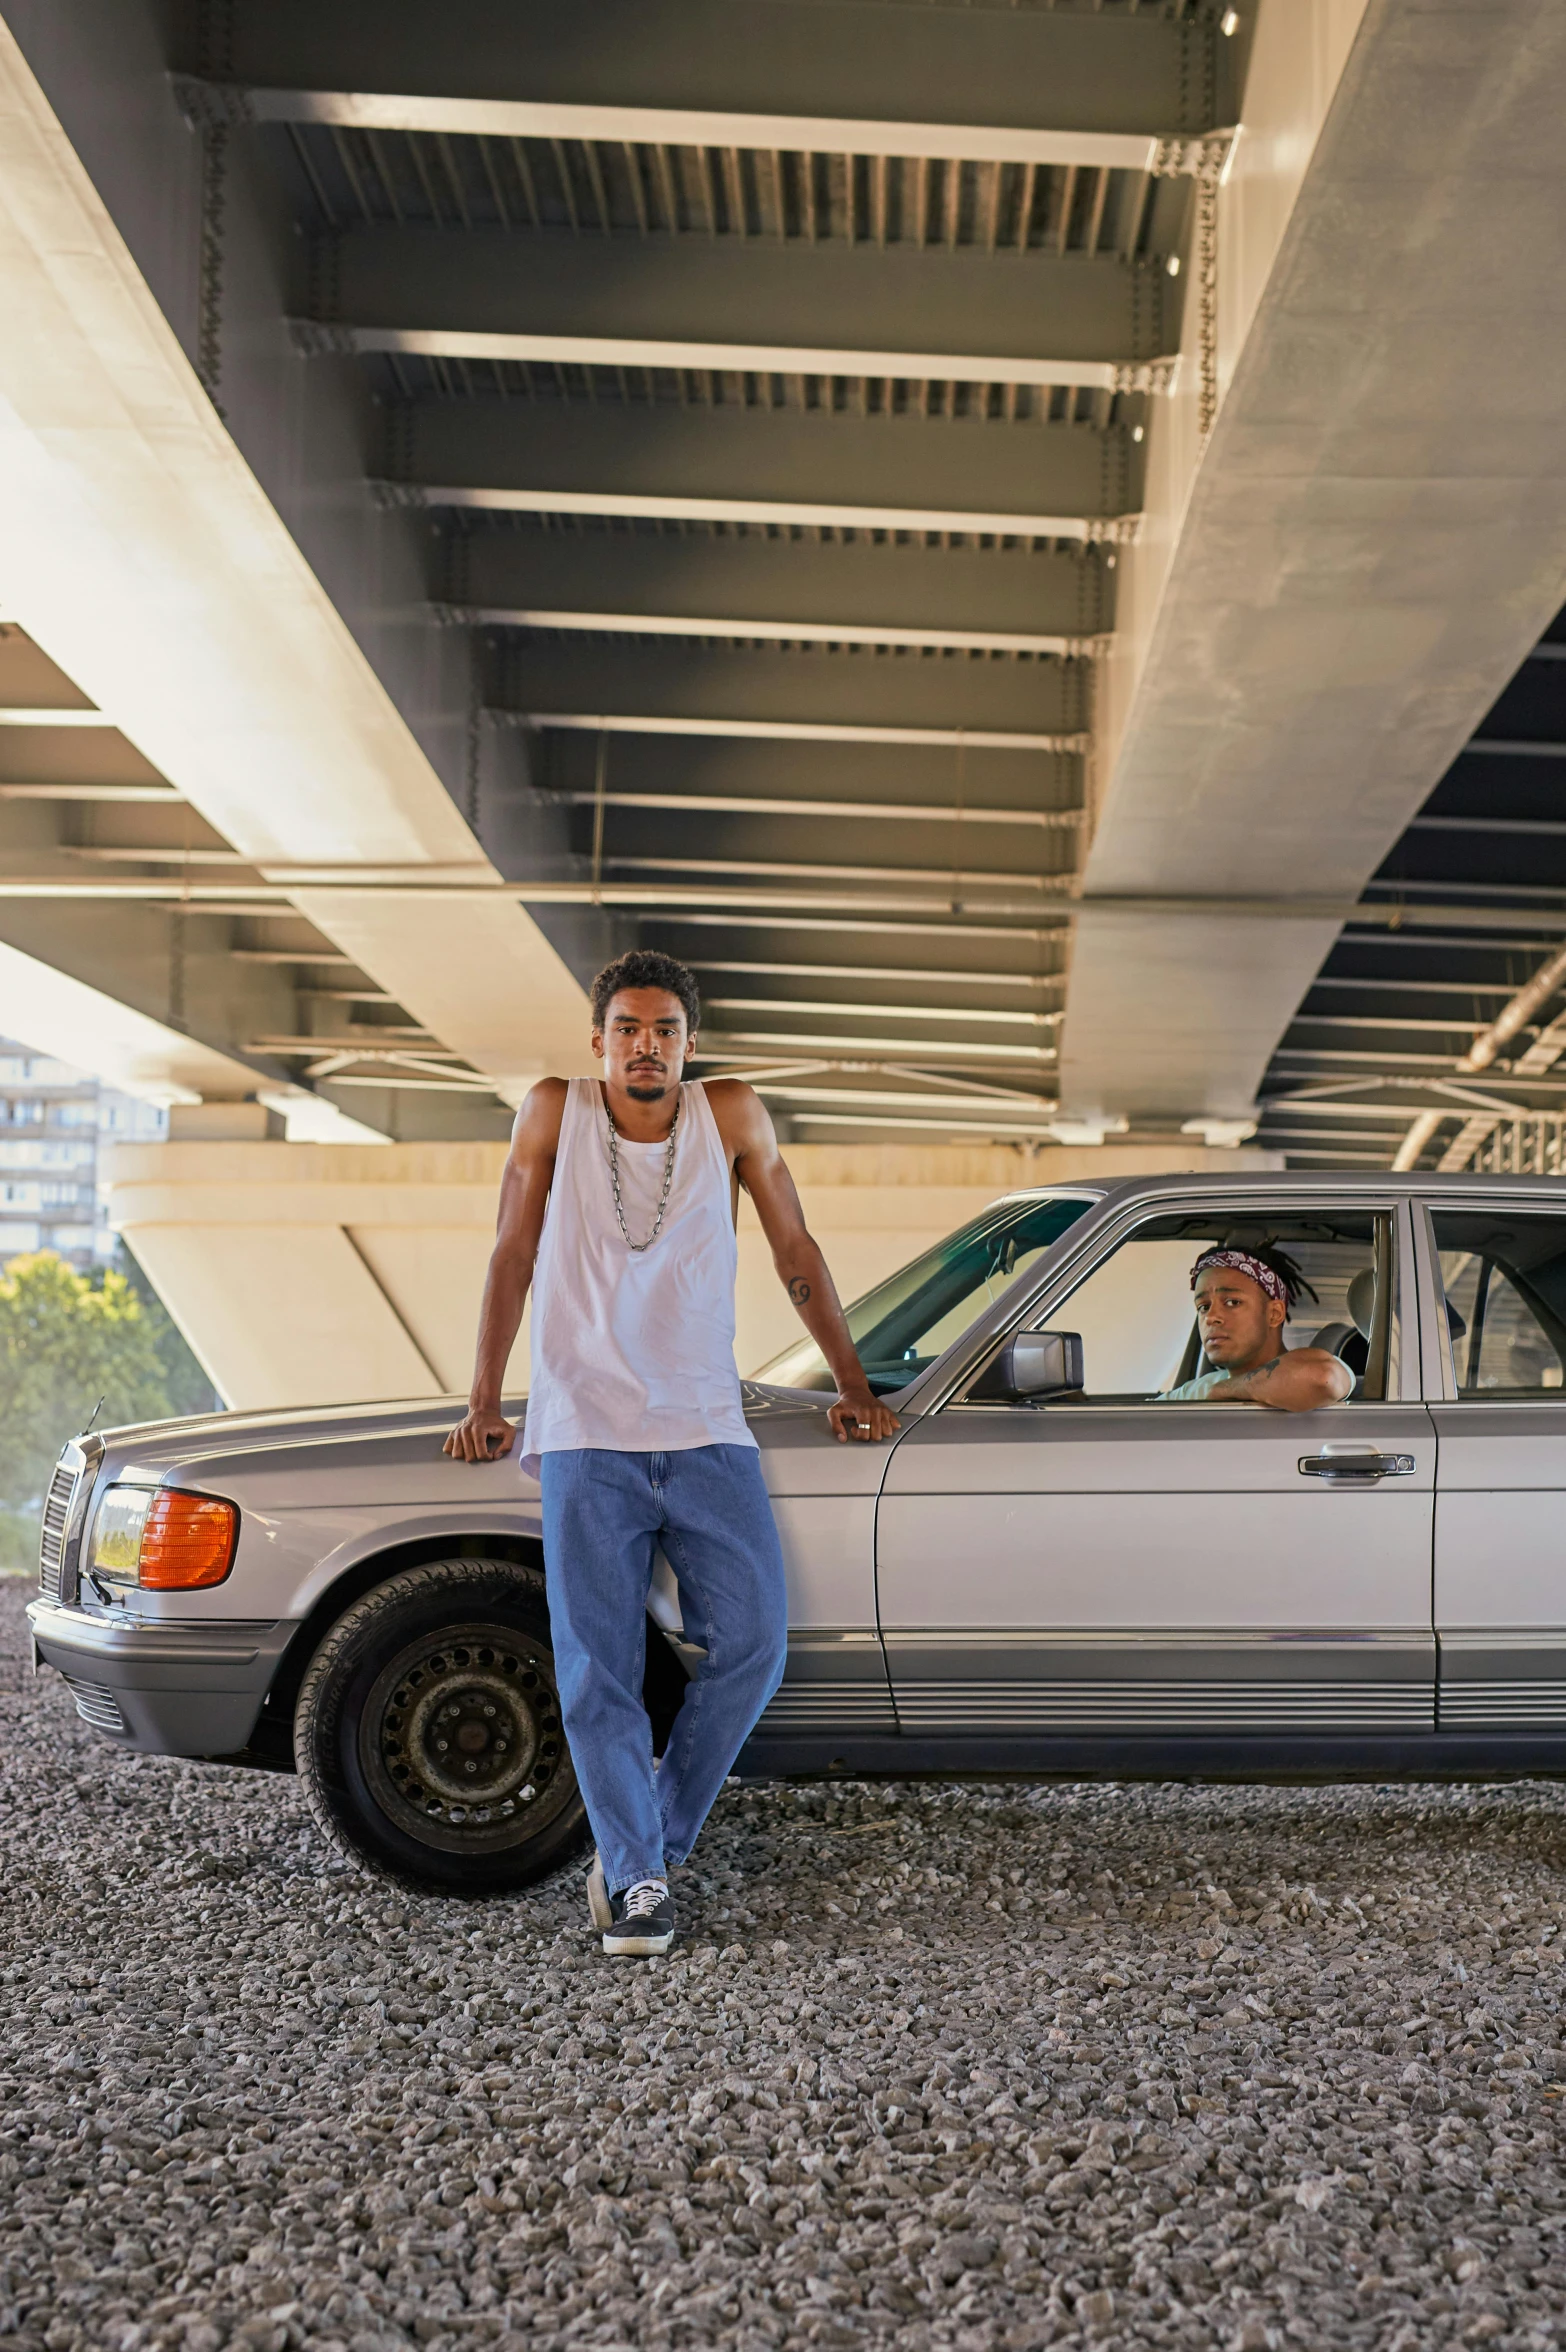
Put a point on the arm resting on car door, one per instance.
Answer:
(1301, 1380)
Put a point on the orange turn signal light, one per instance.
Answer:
(188, 1540)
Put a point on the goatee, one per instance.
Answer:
(647, 1094)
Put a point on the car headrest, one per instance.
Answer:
(1362, 1300)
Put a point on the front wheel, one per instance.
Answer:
(428, 1735)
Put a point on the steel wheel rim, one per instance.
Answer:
(461, 1741)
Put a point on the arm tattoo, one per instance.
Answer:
(799, 1290)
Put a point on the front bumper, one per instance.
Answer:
(170, 1689)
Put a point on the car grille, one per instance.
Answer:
(56, 1518)
(96, 1705)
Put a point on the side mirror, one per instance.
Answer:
(1034, 1364)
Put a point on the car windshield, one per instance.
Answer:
(902, 1325)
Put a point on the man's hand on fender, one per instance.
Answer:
(482, 1435)
(859, 1415)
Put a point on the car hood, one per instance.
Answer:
(206, 1447)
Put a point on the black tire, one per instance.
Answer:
(427, 1732)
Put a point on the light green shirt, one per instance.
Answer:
(1191, 1392)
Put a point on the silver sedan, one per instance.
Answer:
(1057, 1568)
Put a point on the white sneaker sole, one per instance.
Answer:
(599, 1909)
(638, 1947)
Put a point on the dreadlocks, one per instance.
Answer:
(1278, 1273)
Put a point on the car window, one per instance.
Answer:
(1134, 1311)
(1505, 1282)
(902, 1325)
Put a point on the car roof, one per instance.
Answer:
(1309, 1184)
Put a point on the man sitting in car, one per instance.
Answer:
(1243, 1298)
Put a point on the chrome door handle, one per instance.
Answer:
(1358, 1469)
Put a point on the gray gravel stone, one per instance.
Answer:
(1078, 2066)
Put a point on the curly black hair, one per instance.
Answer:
(646, 967)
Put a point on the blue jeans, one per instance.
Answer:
(605, 1514)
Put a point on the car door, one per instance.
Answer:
(824, 1495)
(823, 1499)
(1117, 1564)
(1498, 1261)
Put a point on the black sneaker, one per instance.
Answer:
(641, 1921)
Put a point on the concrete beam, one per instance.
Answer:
(818, 809)
(861, 1009)
(581, 682)
(165, 965)
(98, 70)
(161, 982)
(758, 587)
(61, 789)
(58, 1013)
(24, 715)
(779, 1045)
(1026, 86)
(785, 466)
(311, 1274)
(144, 556)
(796, 841)
(1370, 546)
(933, 313)
(730, 766)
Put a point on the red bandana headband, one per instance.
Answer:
(1243, 1263)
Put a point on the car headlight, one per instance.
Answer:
(116, 1532)
(161, 1539)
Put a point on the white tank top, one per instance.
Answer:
(632, 1350)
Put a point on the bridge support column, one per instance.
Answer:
(334, 1274)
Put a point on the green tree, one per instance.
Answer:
(66, 1339)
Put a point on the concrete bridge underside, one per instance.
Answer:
(976, 527)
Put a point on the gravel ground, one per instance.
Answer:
(935, 2065)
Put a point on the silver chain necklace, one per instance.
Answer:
(668, 1178)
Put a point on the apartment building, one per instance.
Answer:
(52, 1120)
